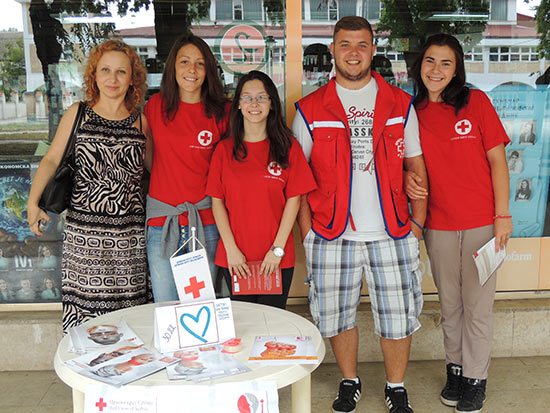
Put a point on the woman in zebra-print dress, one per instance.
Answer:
(104, 265)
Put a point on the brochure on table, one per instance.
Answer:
(121, 366)
(283, 350)
(259, 396)
(204, 363)
(100, 336)
(192, 273)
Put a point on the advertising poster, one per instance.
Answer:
(30, 267)
(524, 113)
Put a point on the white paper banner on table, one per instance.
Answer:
(240, 397)
(192, 276)
(192, 325)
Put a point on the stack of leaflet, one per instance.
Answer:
(113, 354)
(204, 363)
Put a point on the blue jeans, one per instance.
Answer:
(162, 280)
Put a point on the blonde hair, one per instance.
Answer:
(136, 91)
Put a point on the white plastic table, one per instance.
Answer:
(251, 320)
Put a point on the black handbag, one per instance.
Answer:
(57, 194)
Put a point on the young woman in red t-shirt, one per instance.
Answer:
(256, 179)
(187, 118)
(463, 143)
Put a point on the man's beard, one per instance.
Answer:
(350, 77)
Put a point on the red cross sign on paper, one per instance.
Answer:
(194, 287)
(101, 404)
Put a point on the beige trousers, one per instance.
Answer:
(466, 307)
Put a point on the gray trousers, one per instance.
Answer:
(466, 307)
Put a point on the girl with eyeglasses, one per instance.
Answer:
(256, 179)
(188, 118)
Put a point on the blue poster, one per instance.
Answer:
(524, 112)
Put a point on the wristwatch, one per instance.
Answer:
(278, 251)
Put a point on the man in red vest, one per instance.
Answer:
(359, 134)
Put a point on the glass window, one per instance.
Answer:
(32, 105)
(252, 9)
(347, 8)
(237, 9)
(499, 9)
(318, 9)
(371, 9)
(224, 9)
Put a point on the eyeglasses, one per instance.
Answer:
(260, 99)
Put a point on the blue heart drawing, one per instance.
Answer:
(196, 320)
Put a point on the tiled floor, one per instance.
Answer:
(515, 385)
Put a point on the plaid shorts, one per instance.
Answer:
(335, 277)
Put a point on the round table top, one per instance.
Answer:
(251, 320)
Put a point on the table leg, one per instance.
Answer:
(301, 395)
(78, 401)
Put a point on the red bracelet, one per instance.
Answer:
(502, 216)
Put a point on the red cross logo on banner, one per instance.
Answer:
(205, 137)
(101, 404)
(462, 127)
(194, 287)
(275, 169)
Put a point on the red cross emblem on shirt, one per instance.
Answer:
(101, 404)
(463, 127)
(194, 287)
(204, 137)
(275, 169)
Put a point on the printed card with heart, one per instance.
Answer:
(193, 325)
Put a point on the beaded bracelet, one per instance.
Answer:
(502, 216)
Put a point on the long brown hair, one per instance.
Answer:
(136, 91)
(456, 93)
(279, 135)
(212, 96)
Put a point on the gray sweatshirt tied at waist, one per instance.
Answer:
(171, 228)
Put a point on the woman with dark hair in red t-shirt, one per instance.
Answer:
(463, 143)
(187, 118)
(256, 179)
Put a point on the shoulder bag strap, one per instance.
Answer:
(69, 149)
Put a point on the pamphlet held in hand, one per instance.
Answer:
(487, 260)
(258, 283)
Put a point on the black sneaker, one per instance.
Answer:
(473, 396)
(452, 392)
(349, 394)
(397, 400)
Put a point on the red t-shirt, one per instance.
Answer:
(455, 151)
(255, 195)
(182, 150)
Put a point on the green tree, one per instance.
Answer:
(408, 23)
(543, 27)
(12, 67)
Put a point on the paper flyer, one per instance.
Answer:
(99, 336)
(487, 260)
(123, 367)
(204, 363)
(258, 283)
(283, 350)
